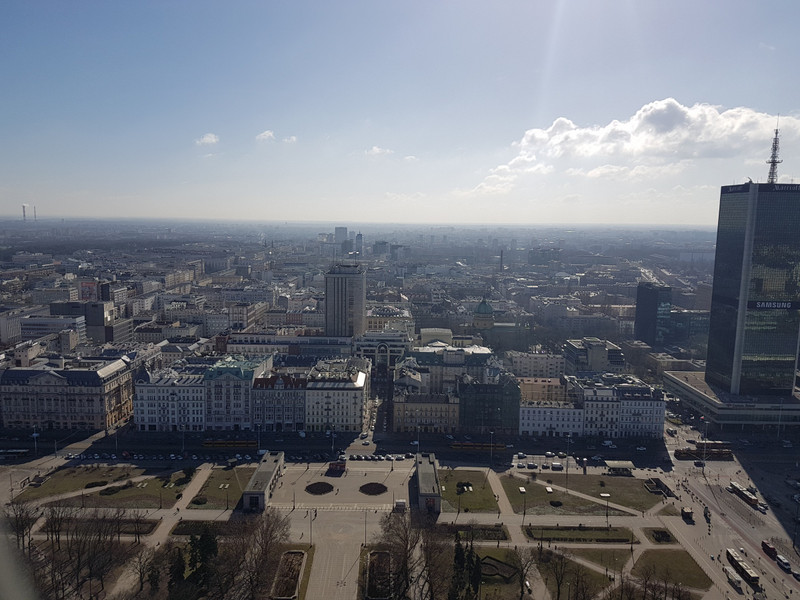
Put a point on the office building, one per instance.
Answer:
(653, 306)
(755, 302)
(345, 300)
(591, 355)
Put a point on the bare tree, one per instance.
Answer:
(55, 517)
(583, 586)
(400, 536)
(268, 531)
(557, 565)
(22, 517)
(523, 559)
(141, 562)
(647, 581)
(436, 572)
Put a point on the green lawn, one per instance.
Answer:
(153, 492)
(625, 491)
(674, 565)
(536, 500)
(74, 478)
(480, 499)
(223, 488)
(607, 558)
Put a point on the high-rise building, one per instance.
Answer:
(345, 300)
(653, 306)
(754, 325)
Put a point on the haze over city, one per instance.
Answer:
(518, 112)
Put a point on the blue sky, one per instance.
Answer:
(380, 111)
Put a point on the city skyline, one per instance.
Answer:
(550, 112)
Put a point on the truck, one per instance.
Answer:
(400, 506)
(688, 514)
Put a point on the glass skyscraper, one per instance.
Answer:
(754, 325)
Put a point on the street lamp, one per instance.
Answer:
(606, 496)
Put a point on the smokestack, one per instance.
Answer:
(23, 213)
(34, 213)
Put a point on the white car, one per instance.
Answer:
(414, 443)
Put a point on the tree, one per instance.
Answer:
(437, 564)
(557, 566)
(401, 537)
(22, 517)
(142, 562)
(177, 568)
(523, 559)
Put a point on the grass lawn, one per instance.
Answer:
(480, 499)
(625, 491)
(674, 565)
(153, 492)
(495, 586)
(536, 500)
(587, 535)
(224, 487)
(607, 558)
(74, 478)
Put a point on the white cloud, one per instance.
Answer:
(290, 139)
(266, 136)
(208, 139)
(410, 158)
(661, 139)
(378, 151)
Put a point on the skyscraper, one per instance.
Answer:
(345, 300)
(755, 304)
(653, 308)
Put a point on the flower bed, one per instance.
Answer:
(288, 578)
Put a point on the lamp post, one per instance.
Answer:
(606, 496)
(35, 436)
(569, 440)
(491, 448)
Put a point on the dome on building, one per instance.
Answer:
(484, 308)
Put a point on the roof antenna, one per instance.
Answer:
(774, 161)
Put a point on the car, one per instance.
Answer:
(409, 455)
(545, 466)
(531, 465)
(365, 443)
(468, 438)
(613, 446)
(562, 455)
(521, 455)
(113, 457)
(415, 442)
(597, 457)
(520, 465)
(699, 463)
(247, 457)
(97, 457)
(399, 457)
(194, 456)
(549, 454)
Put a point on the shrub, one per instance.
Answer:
(199, 500)
(110, 491)
(94, 484)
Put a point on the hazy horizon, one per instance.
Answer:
(415, 112)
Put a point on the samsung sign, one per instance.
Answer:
(773, 305)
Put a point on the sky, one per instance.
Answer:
(509, 111)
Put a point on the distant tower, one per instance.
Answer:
(653, 306)
(345, 301)
(23, 212)
(773, 161)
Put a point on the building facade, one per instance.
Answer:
(337, 392)
(279, 403)
(170, 401)
(345, 300)
(592, 355)
(93, 395)
(653, 306)
(755, 302)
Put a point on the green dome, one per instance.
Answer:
(484, 308)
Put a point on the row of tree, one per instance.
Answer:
(428, 563)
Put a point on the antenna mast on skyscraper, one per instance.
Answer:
(774, 161)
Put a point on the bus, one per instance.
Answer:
(742, 568)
